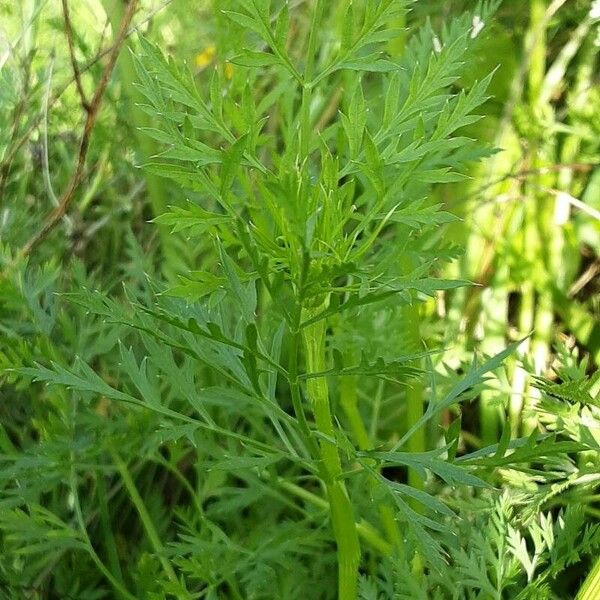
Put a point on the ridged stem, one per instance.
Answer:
(590, 589)
(341, 511)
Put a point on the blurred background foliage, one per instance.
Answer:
(530, 226)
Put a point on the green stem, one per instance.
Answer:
(364, 529)
(296, 397)
(341, 511)
(537, 34)
(305, 116)
(415, 406)
(145, 518)
(184, 482)
(548, 256)
(590, 589)
(520, 383)
(368, 533)
(414, 412)
(119, 588)
(102, 568)
(109, 538)
(495, 316)
(349, 404)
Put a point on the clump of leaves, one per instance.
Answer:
(317, 216)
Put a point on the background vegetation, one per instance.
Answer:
(162, 433)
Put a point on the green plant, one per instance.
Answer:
(529, 242)
(321, 229)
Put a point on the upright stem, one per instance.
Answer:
(364, 529)
(342, 513)
(109, 538)
(590, 589)
(120, 589)
(296, 397)
(415, 406)
(520, 383)
(305, 117)
(542, 213)
(145, 518)
(537, 64)
(495, 314)
(313, 337)
(349, 404)
(415, 400)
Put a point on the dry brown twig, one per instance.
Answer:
(76, 74)
(55, 215)
(35, 121)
